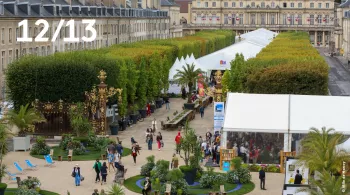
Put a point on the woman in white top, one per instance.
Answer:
(154, 125)
(117, 160)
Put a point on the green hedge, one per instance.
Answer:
(288, 65)
(67, 75)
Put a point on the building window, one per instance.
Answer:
(10, 35)
(312, 19)
(284, 4)
(2, 36)
(16, 54)
(291, 4)
(292, 18)
(233, 4)
(262, 16)
(225, 4)
(225, 18)
(253, 4)
(319, 5)
(319, 19)
(214, 4)
(240, 4)
(30, 51)
(300, 19)
(241, 18)
(311, 5)
(10, 56)
(273, 17)
(2, 60)
(284, 19)
(300, 5)
(252, 19)
(206, 4)
(327, 5)
(327, 19)
(273, 5)
(198, 4)
(262, 4)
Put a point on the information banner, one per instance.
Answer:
(219, 114)
(291, 170)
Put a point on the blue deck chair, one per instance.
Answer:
(49, 160)
(19, 168)
(30, 165)
(12, 176)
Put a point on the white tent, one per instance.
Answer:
(286, 113)
(252, 43)
(177, 65)
(345, 145)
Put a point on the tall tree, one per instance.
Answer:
(122, 83)
(188, 76)
(133, 78)
(235, 81)
(4, 135)
(164, 79)
(24, 119)
(142, 84)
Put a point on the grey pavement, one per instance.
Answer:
(339, 75)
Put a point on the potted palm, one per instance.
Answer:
(24, 120)
(116, 189)
(188, 76)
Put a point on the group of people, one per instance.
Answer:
(211, 146)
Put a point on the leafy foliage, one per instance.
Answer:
(188, 76)
(116, 189)
(32, 183)
(26, 191)
(237, 162)
(142, 85)
(176, 178)
(77, 147)
(160, 170)
(211, 179)
(40, 147)
(66, 138)
(79, 122)
(189, 145)
(147, 168)
(244, 175)
(24, 119)
(232, 177)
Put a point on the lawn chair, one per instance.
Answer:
(19, 168)
(30, 165)
(222, 190)
(168, 189)
(70, 155)
(12, 176)
(51, 153)
(49, 160)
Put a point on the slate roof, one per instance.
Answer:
(168, 3)
(346, 4)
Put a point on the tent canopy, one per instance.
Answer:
(178, 65)
(278, 113)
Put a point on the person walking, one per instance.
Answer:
(134, 151)
(183, 91)
(133, 141)
(76, 175)
(147, 133)
(97, 167)
(150, 141)
(178, 141)
(208, 136)
(111, 148)
(167, 103)
(154, 125)
(147, 187)
(262, 178)
(148, 109)
(117, 158)
(119, 148)
(201, 110)
(104, 173)
(298, 178)
(159, 139)
(111, 161)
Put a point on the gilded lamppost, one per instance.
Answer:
(97, 99)
(218, 86)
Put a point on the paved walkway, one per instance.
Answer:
(58, 178)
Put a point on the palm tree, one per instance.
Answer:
(24, 119)
(4, 135)
(188, 76)
(116, 189)
(320, 154)
(319, 150)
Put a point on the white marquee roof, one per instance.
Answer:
(252, 43)
(178, 65)
(278, 113)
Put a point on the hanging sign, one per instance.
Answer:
(222, 62)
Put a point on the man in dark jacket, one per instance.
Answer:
(262, 178)
(298, 178)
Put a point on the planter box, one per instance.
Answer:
(21, 143)
(159, 103)
(114, 129)
(153, 108)
(189, 106)
(143, 113)
(133, 117)
(190, 176)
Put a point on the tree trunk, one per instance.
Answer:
(190, 85)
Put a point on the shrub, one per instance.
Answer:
(32, 183)
(160, 170)
(254, 168)
(273, 168)
(147, 168)
(237, 162)
(175, 178)
(77, 147)
(210, 178)
(220, 179)
(66, 138)
(40, 147)
(84, 140)
(232, 177)
(244, 175)
(3, 185)
(26, 191)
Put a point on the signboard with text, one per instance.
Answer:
(219, 114)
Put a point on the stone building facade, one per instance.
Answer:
(342, 30)
(315, 17)
(117, 21)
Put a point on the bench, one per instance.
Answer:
(70, 155)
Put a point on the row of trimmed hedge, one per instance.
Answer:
(140, 68)
(288, 65)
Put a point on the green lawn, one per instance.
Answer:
(12, 191)
(91, 155)
(130, 184)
